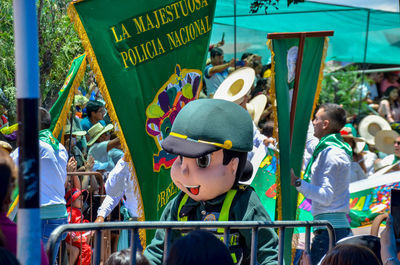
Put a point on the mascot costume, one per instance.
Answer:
(211, 138)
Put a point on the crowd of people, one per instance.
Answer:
(340, 149)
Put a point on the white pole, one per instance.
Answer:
(27, 83)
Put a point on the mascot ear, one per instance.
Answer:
(247, 172)
(233, 165)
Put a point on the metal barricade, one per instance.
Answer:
(168, 226)
(97, 175)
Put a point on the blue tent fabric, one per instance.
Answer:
(352, 27)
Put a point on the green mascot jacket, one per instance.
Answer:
(245, 206)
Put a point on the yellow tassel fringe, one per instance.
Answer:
(64, 113)
(74, 16)
(275, 135)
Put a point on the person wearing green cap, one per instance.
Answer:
(211, 138)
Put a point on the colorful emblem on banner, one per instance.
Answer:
(264, 182)
(182, 87)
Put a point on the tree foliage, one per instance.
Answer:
(58, 45)
(342, 87)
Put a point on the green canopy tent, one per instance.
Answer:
(361, 35)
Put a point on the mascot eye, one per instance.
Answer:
(180, 159)
(203, 161)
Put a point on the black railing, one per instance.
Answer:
(168, 226)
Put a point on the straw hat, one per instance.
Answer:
(359, 141)
(256, 107)
(384, 141)
(75, 131)
(236, 85)
(97, 130)
(80, 100)
(382, 166)
(371, 125)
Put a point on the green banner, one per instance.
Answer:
(62, 106)
(58, 112)
(148, 58)
(285, 52)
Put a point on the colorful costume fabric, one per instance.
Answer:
(79, 239)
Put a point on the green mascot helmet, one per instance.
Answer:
(206, 125)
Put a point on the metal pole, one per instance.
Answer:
(97, 247)
(27, 83)
(234, 31)
(308, 236)
(281, 245)
(254, 240)
(134, 246)
(167, 244)
(364, 60)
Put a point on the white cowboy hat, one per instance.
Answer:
(370, 125)
(256, 107)
(75, 131)
(384, 141)
(96, 131)
(236, 85)
(359, 141)
(382, 166)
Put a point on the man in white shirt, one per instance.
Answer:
(118, 184)
(327, 176)
(53, 175)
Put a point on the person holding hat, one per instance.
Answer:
(71, 137)
(211, 138)
(77, 239)
(70, 141)
(100, 145)
(95, 112)
(216, 72)
(327, 176)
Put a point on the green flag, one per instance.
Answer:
(62, 106)
(58, 113)
(285, 51)
(148, 58)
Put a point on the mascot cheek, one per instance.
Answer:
(176, 174)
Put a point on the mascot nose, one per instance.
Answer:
(184, 168)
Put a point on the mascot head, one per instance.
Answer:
(211, 138)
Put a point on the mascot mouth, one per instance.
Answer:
(193, 189)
